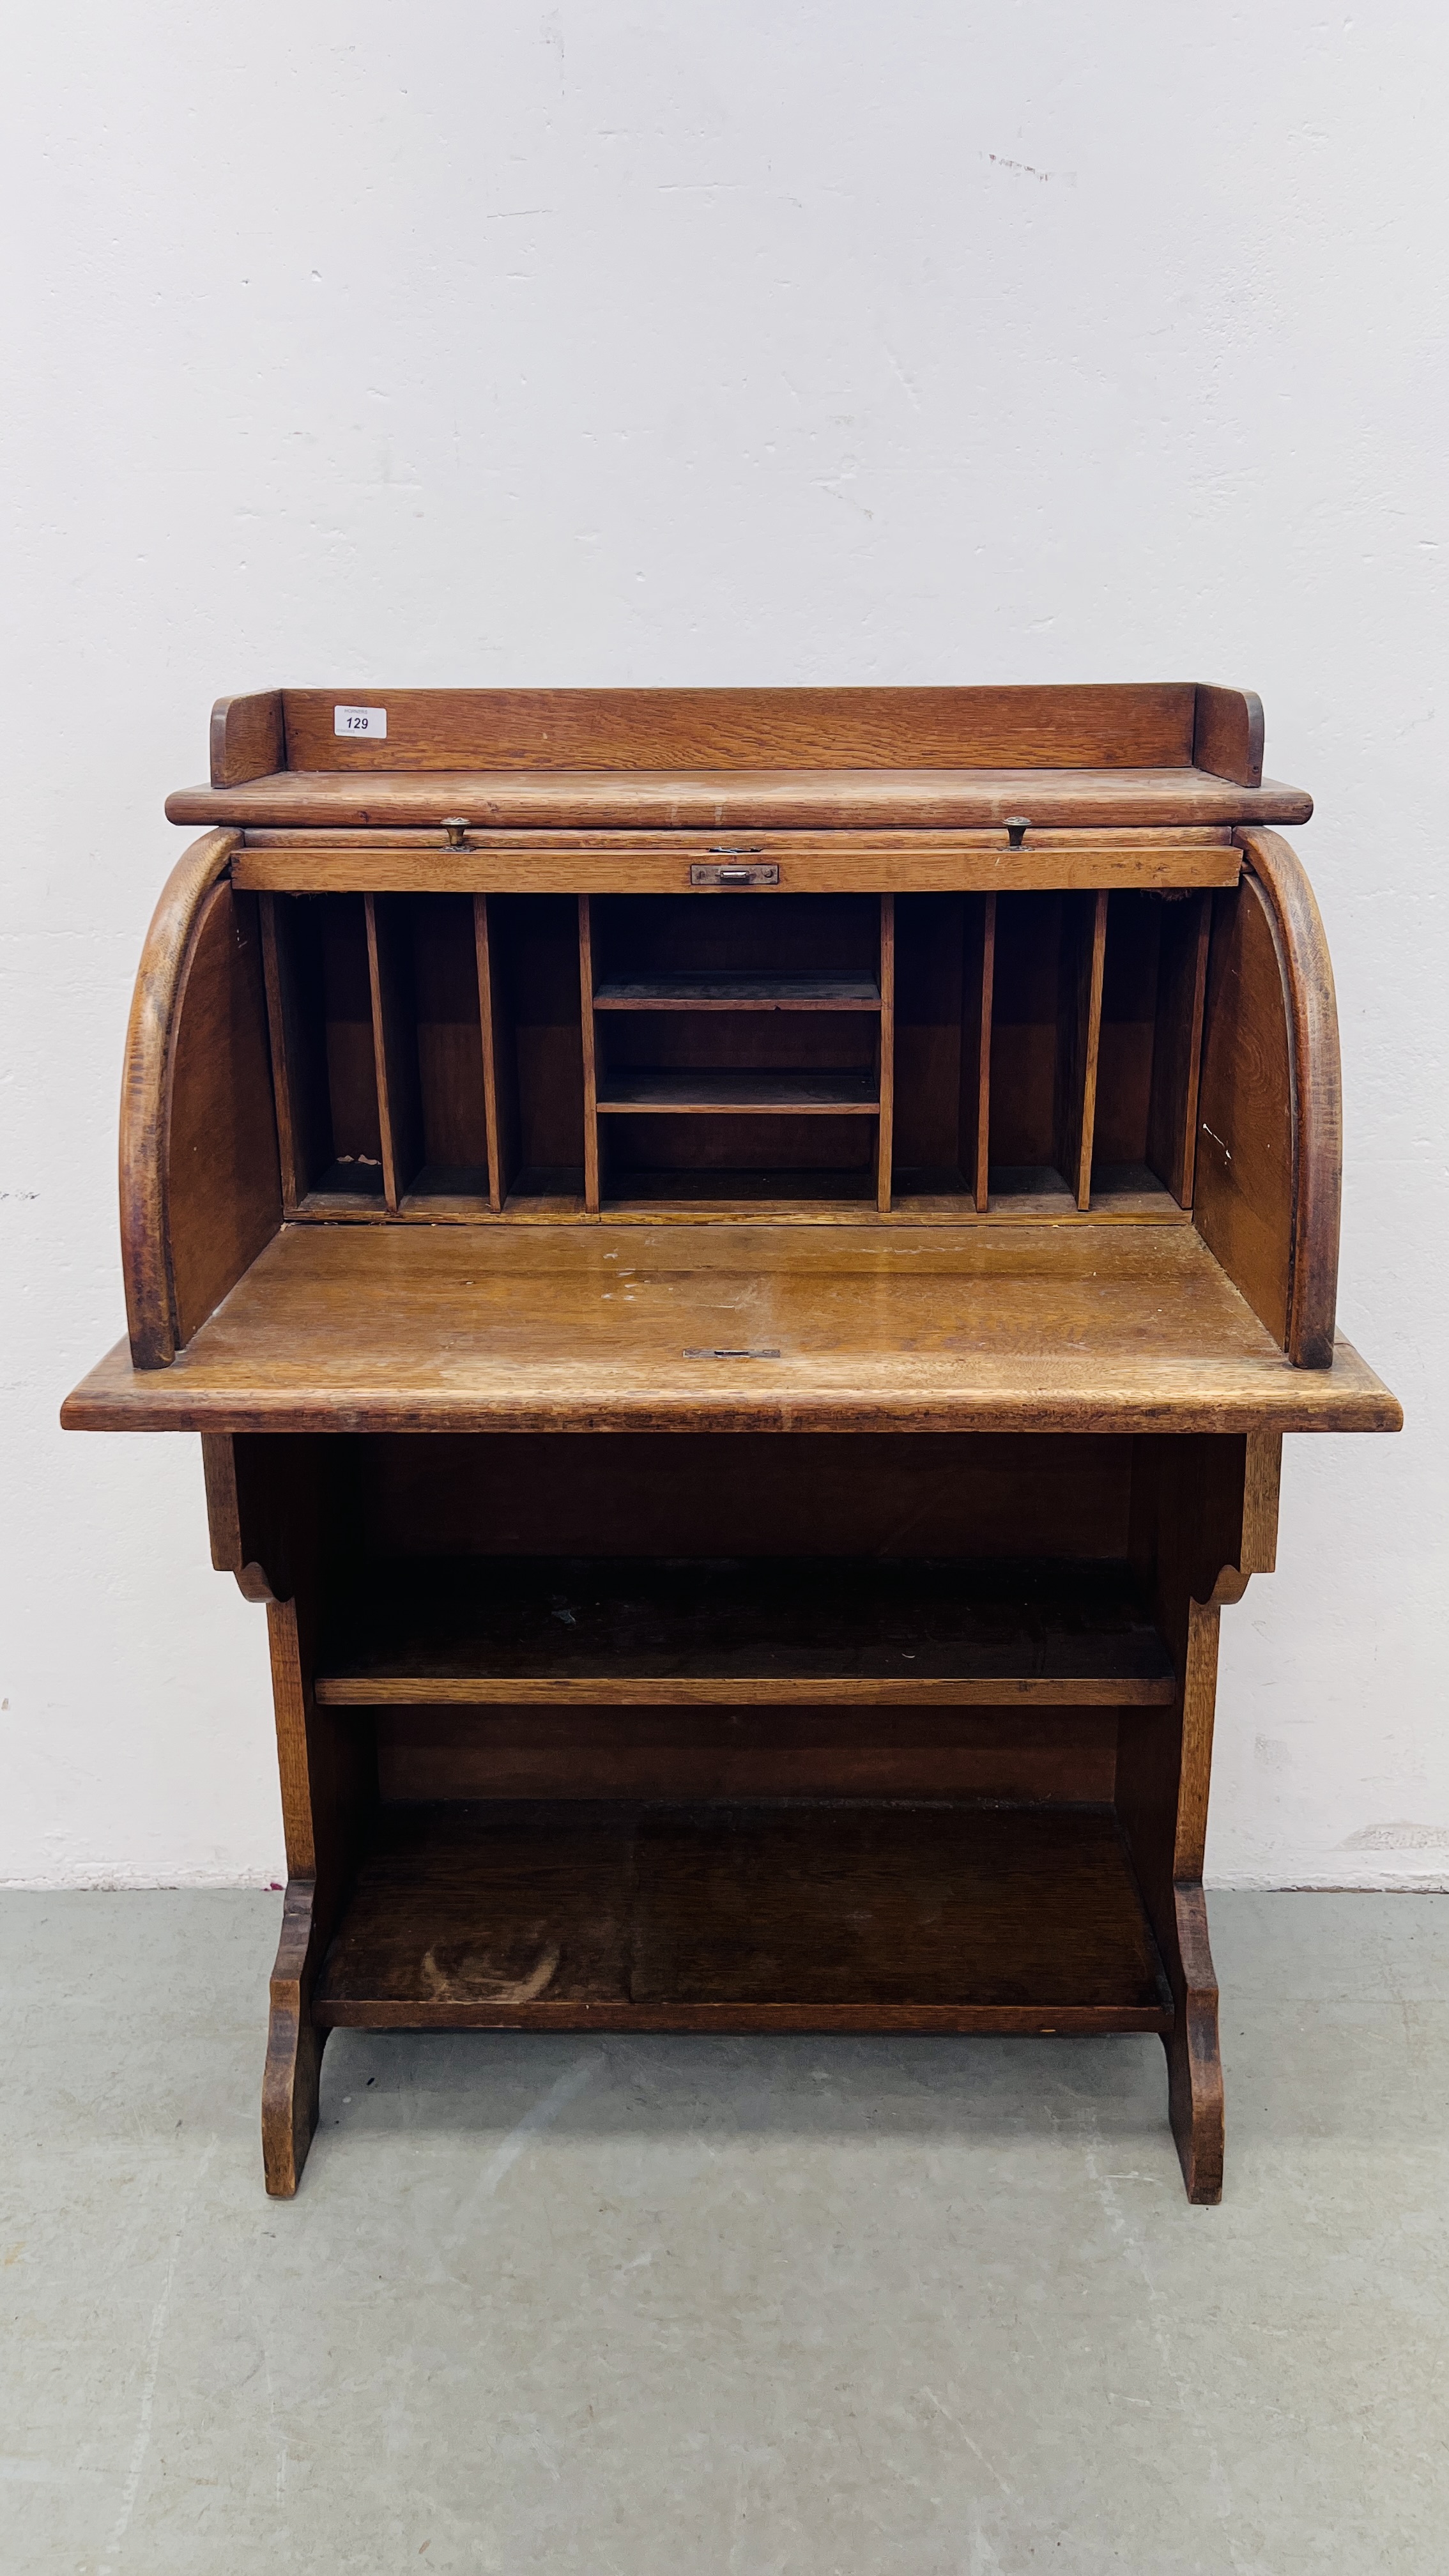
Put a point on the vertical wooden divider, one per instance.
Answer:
(1177, 1044)
(886, 1055)
(293, 1140)
(591, 1082)
(978, 974)
(500, 1071)
(1085, 952)
(394, 1047)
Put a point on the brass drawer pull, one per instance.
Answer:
(735, 872)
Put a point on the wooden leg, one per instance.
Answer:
(269, 1527)
(1194, 2063)
(294, 2048)
(328, 1782)
(1204, 1518)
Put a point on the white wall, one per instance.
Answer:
(612, 342)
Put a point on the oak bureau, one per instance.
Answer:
(742, 1259)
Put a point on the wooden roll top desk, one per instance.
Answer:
(742, 1259)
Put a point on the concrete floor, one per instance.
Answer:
(932, 2306)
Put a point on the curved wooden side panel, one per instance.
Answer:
(198, 1164)
(223, 1180)
(143, 1097)
(1270, 1134)
(1318, 1095)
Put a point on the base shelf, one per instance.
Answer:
(791, 1916)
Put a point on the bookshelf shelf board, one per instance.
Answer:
(615, 1632)
(803, 1915)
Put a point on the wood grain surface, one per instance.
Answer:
(1055, 1756)
(1317, 1096)
(394, 1046)
(223, 1188)
(889, 1495)
(728, 1091)
(929, 863)
(1080, 1012)
(1142, 726)
(150, 1037)
(726, 801)
(1249, 1141)
(688, 991)
(1172, 1116)
(438, 935)
(500, 1061)
(582, 838)
(736, 1917)
(295, 1041)
(1045, 1328)
(1228, 734)
(1204, 1520)
(884, 1083)
(248, 738)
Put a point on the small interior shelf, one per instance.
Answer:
(770, 1095)
(886, 1915)
(645, 1632)
(701, 992)
(742, 1191)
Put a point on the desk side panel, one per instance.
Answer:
(1312, 1015)
(223, 1183)
(1270, 1154)
(199, 1195)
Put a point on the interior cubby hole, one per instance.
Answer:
(324, 991)
(1036, 947)
(1152, 996)
(533, 942)
(739, 933)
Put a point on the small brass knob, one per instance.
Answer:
(456, 826)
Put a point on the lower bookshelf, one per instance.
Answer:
(793, 1915)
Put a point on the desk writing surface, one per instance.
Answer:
(612, 1327)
